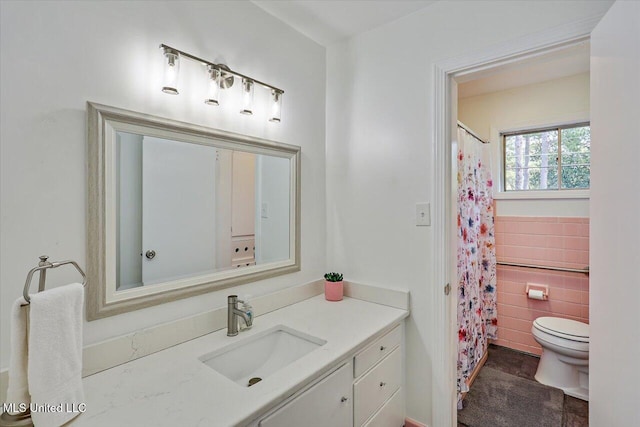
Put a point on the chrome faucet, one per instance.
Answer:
(233, 312)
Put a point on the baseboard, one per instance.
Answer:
(408, 422)
(476, 371)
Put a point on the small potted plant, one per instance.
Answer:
(333, 289)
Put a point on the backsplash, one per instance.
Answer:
(546, 241)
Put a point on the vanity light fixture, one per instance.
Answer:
(219, 76)
(171, 70)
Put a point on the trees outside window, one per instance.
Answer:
(555, 158)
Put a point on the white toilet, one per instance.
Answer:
(565, 355)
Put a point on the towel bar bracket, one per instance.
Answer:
(42, 268)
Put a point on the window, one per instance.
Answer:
(556, 158)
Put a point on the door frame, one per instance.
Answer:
(444, 119)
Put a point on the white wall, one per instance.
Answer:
(57, 55)
(614, 257)
(380, 148)
(559, 101)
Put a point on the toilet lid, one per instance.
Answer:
(565, 328)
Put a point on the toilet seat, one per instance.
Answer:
(563, 328)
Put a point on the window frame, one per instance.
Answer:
(550, 193)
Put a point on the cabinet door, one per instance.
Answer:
(328, 403)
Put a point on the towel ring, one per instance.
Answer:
(42, 267)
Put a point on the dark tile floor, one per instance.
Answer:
(575, 412)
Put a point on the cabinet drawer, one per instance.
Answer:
(378, 385)
(376, 351)
(391, 414)
(327, 403)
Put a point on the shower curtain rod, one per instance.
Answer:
(470, 132)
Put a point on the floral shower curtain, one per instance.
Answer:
(477, 314)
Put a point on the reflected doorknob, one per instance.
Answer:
(150, 254)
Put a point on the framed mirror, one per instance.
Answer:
(177, 210)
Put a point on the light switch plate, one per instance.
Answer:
(423, 214)
(264, 210)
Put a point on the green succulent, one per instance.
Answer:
(333, 277)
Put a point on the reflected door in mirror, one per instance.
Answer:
(178, 209)
(189, 210)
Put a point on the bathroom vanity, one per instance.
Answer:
(351, 374)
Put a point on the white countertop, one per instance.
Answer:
(173, 388)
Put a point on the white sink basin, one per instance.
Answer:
(262, 354)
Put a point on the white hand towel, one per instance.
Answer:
(55, 354)
(18, 389)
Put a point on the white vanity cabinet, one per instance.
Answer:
(365, 391)
(355, 345)
(327, 403)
